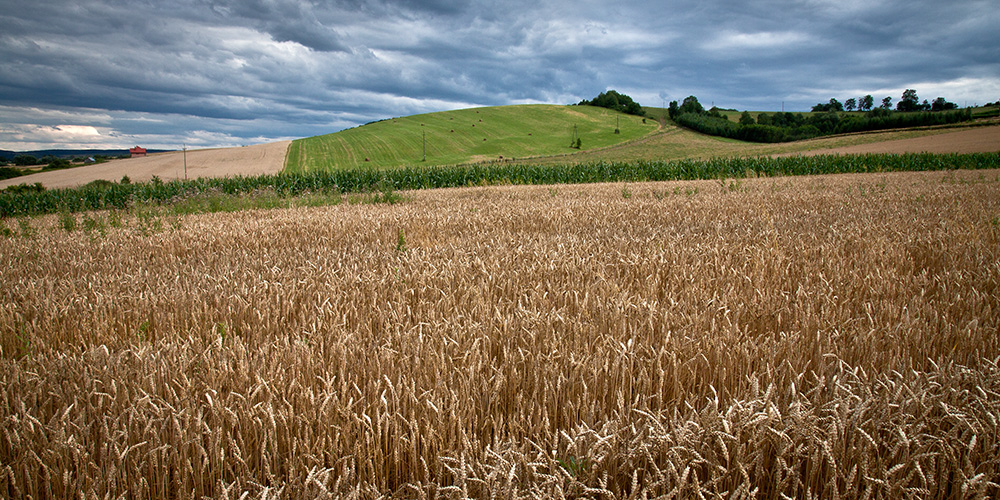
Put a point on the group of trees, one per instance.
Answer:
(782, 127)
(692, 106)
(616, 101)
(909, 102)
(27, 160)
(863, 104)
(50, 161)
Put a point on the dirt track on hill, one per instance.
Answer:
(973, 140)
(226, 162)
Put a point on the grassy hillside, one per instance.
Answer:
(468, 135)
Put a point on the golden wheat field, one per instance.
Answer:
(814, 337)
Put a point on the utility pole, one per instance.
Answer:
(425, 146)
(185, 161)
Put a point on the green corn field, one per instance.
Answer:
(354, 180)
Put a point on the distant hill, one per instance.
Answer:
(72, 153)
(469, 135)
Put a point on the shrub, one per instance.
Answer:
(9, 173)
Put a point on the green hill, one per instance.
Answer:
(467, 135)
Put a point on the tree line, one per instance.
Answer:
(784, 127)
(49, 162)
(909, 102)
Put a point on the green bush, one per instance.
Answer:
(67, 222)
(57, 164)
(9, 173)
(24, 188)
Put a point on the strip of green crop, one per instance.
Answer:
(17, 202)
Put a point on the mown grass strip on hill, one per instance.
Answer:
(19, 202)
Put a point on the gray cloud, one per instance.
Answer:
(96, 73)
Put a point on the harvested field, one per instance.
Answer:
(811, 337)
(675, 143)
(971, 140)
(226, 162)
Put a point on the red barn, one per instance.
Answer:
(137, 152)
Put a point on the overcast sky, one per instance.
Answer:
(119, 73)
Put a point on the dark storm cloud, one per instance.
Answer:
(223, 72)
(286, 21)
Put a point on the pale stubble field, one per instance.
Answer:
(769, 338)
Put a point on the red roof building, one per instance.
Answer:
(137, 152)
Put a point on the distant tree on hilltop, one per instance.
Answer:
(866, 103)
(691, 105)
(833, 105)
(909, 101)
(940, 104)
(616, 101)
